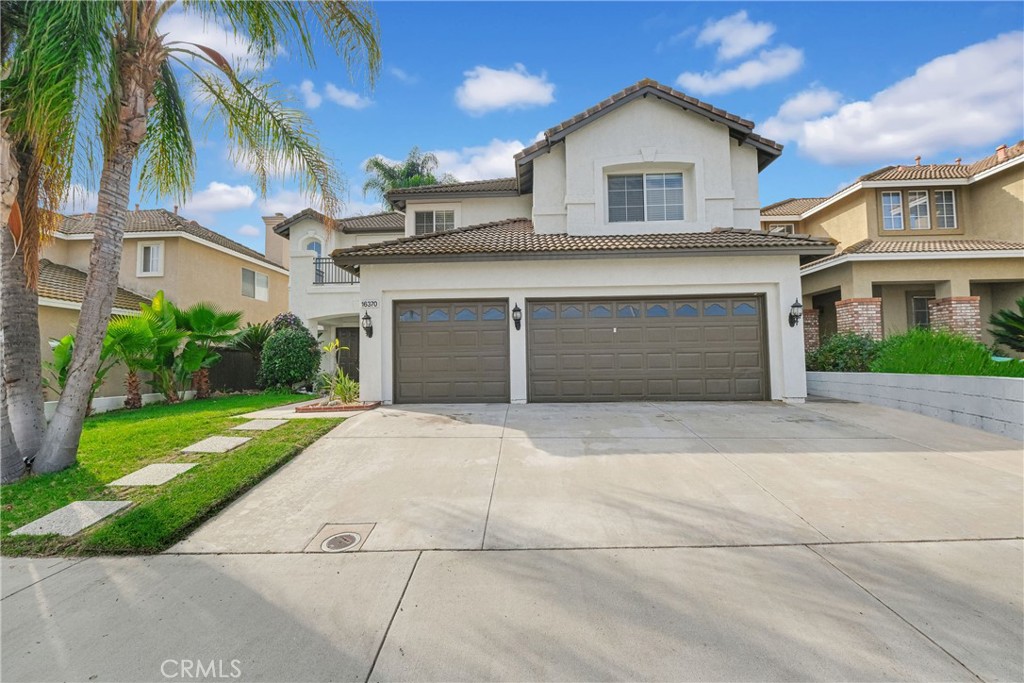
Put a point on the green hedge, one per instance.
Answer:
(846, 352)
(937, 352)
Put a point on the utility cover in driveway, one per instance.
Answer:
(710, 348)
(451, 352)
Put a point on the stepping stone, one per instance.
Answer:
(260, 425)
(72, 518)
(216, 444)
(153, 475)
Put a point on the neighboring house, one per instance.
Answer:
(162, 251)
(938, 245)
(624, 261)
(61, 289)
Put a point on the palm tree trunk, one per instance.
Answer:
(20, 363)
(201, 382)
(132, 390)
(136, 74)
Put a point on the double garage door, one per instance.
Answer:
(709, 348)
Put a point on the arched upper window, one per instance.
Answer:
(315, 246)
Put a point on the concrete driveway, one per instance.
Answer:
(753, 541)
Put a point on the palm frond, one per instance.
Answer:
(169, 166)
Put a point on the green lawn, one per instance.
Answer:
(115, 444)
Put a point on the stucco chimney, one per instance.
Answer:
(958, 160)
(917, 160)
(276, 247)
(175, 209)
(1001, 153)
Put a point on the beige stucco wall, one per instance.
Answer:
(777, 277)
(995, 207)
(193, 272)
(848, 221)
(54, 323)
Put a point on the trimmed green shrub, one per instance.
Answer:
(845, 352)
(938, 352)
(286, 321)
(290, 357)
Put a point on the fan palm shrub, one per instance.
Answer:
(1008, 327)
(139, 341)
(207, 326)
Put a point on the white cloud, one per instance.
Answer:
(403, 75)
(80, 199)
(486, 89)
(288, 202)
(250, 230)
(966, 99)
(735, 35)
(769, 65)
(493, 160)
(218, 197)
(182, 26)
(809, 104)
(309, 94)
(346, 98)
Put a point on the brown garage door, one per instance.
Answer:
(711, 348)
(451, 352)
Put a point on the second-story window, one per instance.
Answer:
(434, 221)
(639, 197)
(892, 211)
(945, 210)
(151, 259)
(917, 203)
(255, 285)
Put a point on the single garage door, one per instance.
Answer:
(451, 352)
(709, 348)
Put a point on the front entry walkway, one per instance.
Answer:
(746, 541)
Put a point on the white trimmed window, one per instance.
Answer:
(255, 285)
(945, 209)
(434, 221)
(892, 210)
(315, 246)
(150, 259)
(917, 210)
(781, 228)
(645, 197)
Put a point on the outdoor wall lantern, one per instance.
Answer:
(517, 317)
(796, 311)
(367, 324)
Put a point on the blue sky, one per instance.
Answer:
(847, 87)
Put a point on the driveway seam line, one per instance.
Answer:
(756, 482)
(49, 576)
(398, 606)
(494, 481)
(695, 546)
(898, 615)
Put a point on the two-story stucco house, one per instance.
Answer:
(939, 245)
(162, 251)
(624, 261)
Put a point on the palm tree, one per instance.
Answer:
(138, 341)
(144, 113)
(417, 169)
(207, 326)
(1008, 327)
(49, 50)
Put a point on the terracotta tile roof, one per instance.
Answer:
(918, 246)
(160, 220)
(492, 185)
(68, 284)
(646, 84)
(385, 221)
(515, 236)
(945, 171)
(791, 206)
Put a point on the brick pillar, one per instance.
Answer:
(960, 314)
(812, 334)
(863, 316)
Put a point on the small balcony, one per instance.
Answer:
(325, 272)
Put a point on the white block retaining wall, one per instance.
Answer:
(995, 404)
(105, 404)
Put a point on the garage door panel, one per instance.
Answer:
(633, 349)
(452, 351)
